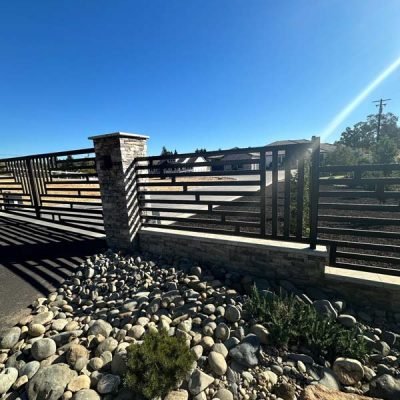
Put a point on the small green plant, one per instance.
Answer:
(291, 322)
(157, 365)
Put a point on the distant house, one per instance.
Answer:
(325, 148)
(182, 164)
(232, 165)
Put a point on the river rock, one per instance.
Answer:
(86, 394)
(217, 363)
(232, 313)
(43, 348)
(385, 386)
(319, 392)
(324, 307)
(79, 383)
(30, 369)
(222, 331)
(108, 384)
(246, 352)
(348, 370)
(177, 395)
(347, 320)
(36, 330)
(100, 327)
(75, 352)
(43, 318)
(50, 382)
(199, 381)
(109, 344)
(10, 337)
(7, 378)
(261, 332)
(224, 394)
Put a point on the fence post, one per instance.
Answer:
(34, 189)
(314, 190)
(115, 156)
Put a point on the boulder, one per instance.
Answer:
(217, 363)
(7, 378)
(319, 392)
(246, 352)
(348, 371)
(386, 387)
(199, 381)
(108, 384)
(10, 337)
(100, 327)
(50, 382)
(43, 348)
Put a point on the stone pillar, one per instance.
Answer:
(115, 155)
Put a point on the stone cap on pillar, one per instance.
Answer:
(121, 135)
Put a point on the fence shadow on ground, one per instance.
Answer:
(35, 259)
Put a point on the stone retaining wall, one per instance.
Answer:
(259, 257)
(272, 259)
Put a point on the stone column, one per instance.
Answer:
(115, 155)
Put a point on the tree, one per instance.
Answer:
(363, 134)
(345, 155)
(201, 150)
(165, 152)
(384, 151)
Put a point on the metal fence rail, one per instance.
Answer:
(61, 187)
(359, 216)
(246, 192)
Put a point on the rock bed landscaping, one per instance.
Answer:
(74, 343)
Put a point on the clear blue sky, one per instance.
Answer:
(189, 73)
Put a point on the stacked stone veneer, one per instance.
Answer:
(115, 163)
(258, 257)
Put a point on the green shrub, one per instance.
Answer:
(291, 322)
(157, 365)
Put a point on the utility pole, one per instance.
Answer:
(381, 105)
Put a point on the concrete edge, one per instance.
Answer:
(121, 135)
(277, 245)
(363, 278)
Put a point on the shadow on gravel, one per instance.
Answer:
(34, 260)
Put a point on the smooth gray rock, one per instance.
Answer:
(43, 348)
(109, 344)
(324, 307)
(100, 327)
(30, 369)
(10, 337)
(7, 378)
(222, 331)
(108, 384)
(224, 394)
(199, 381)
(386, 387)
(246, 352)
(347, 320)
(86, 394)
(43, 318)
(49, 383)
(232, 313)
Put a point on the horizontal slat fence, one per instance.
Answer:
(246, 192)
(61, 187)
(359, 216)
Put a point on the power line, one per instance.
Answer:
(380, 105)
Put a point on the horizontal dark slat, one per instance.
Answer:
(360, 207)
(360, 220)
(359, 194)
(77, 160)
(213, 163)
(205, 173)
(70, 175)
(58, 180)
(196, 211)
(368, 257)
(360, 168)
(66, 210)
(80, 203)
(199, 183)
(68, 189)
(359, 232)
(232, 203)
(56, 154)
(363, 181)
(200, 193)
(368, 268)
(361, 245)
(202, 221)
(268, 149)
(69, 196)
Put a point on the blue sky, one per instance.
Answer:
(189, 73)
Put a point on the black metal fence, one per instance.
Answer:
(60, 187)
(359, 216)
(259, 191)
